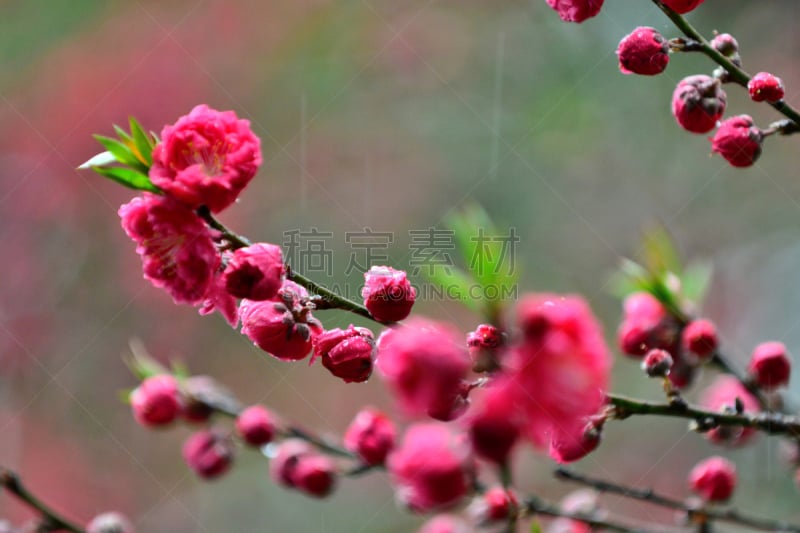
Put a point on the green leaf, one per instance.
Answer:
(696, 280)
(658, 251)
(123, 135)
(128, 177)
(180, 370)
(143, 144)
(536, 527)
(457, 285)
(122, 153)
(100, 160)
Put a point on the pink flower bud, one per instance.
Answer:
(109, 523)
(725, 44)
(682, 6)
(431, 469)
(387, 293)
(645, 325)
(347, 354)
(156, 401)
(721, 396)
(208, 453)
(657, 363)
(445, 523)
(256, 425)
(698, 103)
(770, 365)
(493, 426)
(576, 10)
(283, 326)
(714, 479)
(568, 447)
(700, 338)
(178, 254)
(738, 141)
(424, 364)
(315, 475)
(255, 272)
(206, 158)
(494, 505)
(284, 464)
(486, 337)
(764, 86)
(643, 51)
(371, 435)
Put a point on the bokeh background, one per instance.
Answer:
(373, 114)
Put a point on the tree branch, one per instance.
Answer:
(51, 521)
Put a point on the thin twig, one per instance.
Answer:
(696, 514)
(51, 520)
(534, 505)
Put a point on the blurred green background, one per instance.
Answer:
(373, 114)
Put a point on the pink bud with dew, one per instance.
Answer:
(700, 337)
(576, 10)
(431, 469)
(156, 401)
(208, 453)
(425, 364)
(725, 44)
(387, 293)
(256, 425)
(206, 158)
(644, 51)
(698, 102)
(485, 337)
(495, 505)
(770, 365)
(255, 272)
(714, 479)
(347, 354)
(765, 87)
(657, 363)
(283, 326)
(371, 435)
(738, 140)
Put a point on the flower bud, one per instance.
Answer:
(371, 435)
(109, 523)
(315, 475)
(387, 293)
(700, 338)
(569, 447)
(493, 430)
(738, 141)
(726, 44)
(576, 10)
(282, 327)
(765, 87)
(208, 453)
(256, 425)
(657, 363)
(643, 51)
(682, 6)
(445, 523)
(486, 337)
(770, 365)
(645, 325)
(698, 103)
(494, 505)
(722, 396)
(255, 272)
(714, 479)
(347, 354)
(283, 465)
(156, 401)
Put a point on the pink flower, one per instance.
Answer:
(568, 447)
(559, 372)
(432, 468)
(424, 364)
(208, 453)
(770, 365)
(298, 466)
(109, 523)
(700, 337)
(156, 401)
(643, 51)
(177, 251)
(764, 86)
(219, 299)
(721, 395)
(495, 423)
(714, 479)
(494, 505)
(576, 10)
(371, 435)
(255, 272)
(206, 158)
(738, 140)
(682, 6)
(645, 325)
(347, 354)
(256, 425)
(387, 293)
(283, 326)
(698, 102)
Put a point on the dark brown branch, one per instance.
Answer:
(51, 521)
